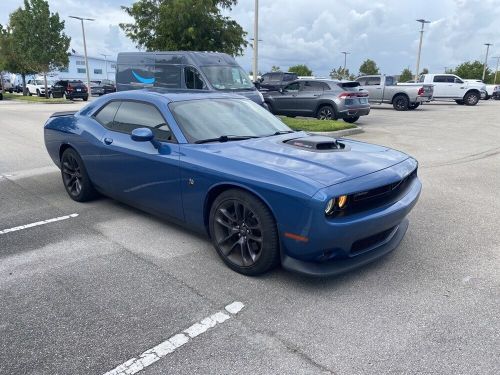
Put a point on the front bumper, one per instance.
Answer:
(340, 244)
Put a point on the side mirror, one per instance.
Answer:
(281, 90)
(142, 135)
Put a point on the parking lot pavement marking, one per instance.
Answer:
(38, 223)
(150, 356)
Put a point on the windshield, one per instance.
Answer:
(213, 118)
(227, 77)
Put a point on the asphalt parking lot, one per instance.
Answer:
(104, 282)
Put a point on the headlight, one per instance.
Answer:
(330, 206)
(336, 203)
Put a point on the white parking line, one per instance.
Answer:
(37, 224)
(168, 346)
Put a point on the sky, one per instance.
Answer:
(314, 32)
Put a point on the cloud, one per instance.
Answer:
(314, 32)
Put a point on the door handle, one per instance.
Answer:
(108, 141)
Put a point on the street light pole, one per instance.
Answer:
(345, 60)
(423, 22)
(496, 70)
(255, 68)
(85, 49)
(486, 58)
(106, 62)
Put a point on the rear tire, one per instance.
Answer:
(326, 112)
(351, 120)
(244, 233)
(413, 106)
(401, 102)
(471, 98)
(75, 177)
(85, 98)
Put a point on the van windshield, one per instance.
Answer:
(227, 77)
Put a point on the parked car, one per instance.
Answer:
(452, 87)
(96, 89)
(224, 166)
(108, 85)
(7, 84)
(70, 89)
(322, 98)
(384, 89)
(190, 70)
(37, 87)
(490, 91)
(274, 81)
(496, 92)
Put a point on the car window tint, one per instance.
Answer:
(168, 76)
(373, 81)
(133, 115)
(312, 86)
(440, 79)
(457, 80)
(107, 114)
(293, 86)
(192, 78)
(289, 77)
(271, 77)
(389, 81)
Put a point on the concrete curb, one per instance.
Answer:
(342, 133)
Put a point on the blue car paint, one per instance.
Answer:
(139, 78)
(294, 183)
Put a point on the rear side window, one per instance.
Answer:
(362, 81)
(289, 77)
(168, 76)
(312, 86)
(107, 114)
(440, 79)
(389, 81)
(192, 78)
(372, 81)
(133, 115)
(271, 77)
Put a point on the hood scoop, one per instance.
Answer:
(317, 143)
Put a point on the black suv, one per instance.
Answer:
(274, 81)
(70, 90)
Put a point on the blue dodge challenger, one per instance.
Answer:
(220, 164)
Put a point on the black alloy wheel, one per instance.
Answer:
(75, 177)
(401, 103)
(414, 106)
(326, 113)
(244, 233)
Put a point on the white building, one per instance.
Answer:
(99, 69)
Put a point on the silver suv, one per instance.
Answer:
(322, 98)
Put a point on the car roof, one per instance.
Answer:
(174, 95)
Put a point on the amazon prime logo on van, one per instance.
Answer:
(142, 79)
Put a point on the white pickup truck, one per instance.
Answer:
(384, 89)
(452, 87)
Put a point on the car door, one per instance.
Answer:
(441, 86)
(137, 172)
(457, 87)
(308, 96)
(284, 102)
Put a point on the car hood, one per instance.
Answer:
(327, 167)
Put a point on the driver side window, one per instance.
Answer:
(192, 78)
(293, 87)
(132, 115)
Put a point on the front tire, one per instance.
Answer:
(351, 120)
(471, 98)
(401, 103)
(75, 178)
(244, 233)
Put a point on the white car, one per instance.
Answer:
(37, 87)
(452, 87)
(7, 84)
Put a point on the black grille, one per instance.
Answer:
(379, 196)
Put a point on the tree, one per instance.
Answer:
(275, 68)
(193, 25)
(473, 70)
(369, 67)
(341, 74)
(35, 49)
(406, 75)
(301, 70)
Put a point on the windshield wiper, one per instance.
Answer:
(226, 138)
(279, 132)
